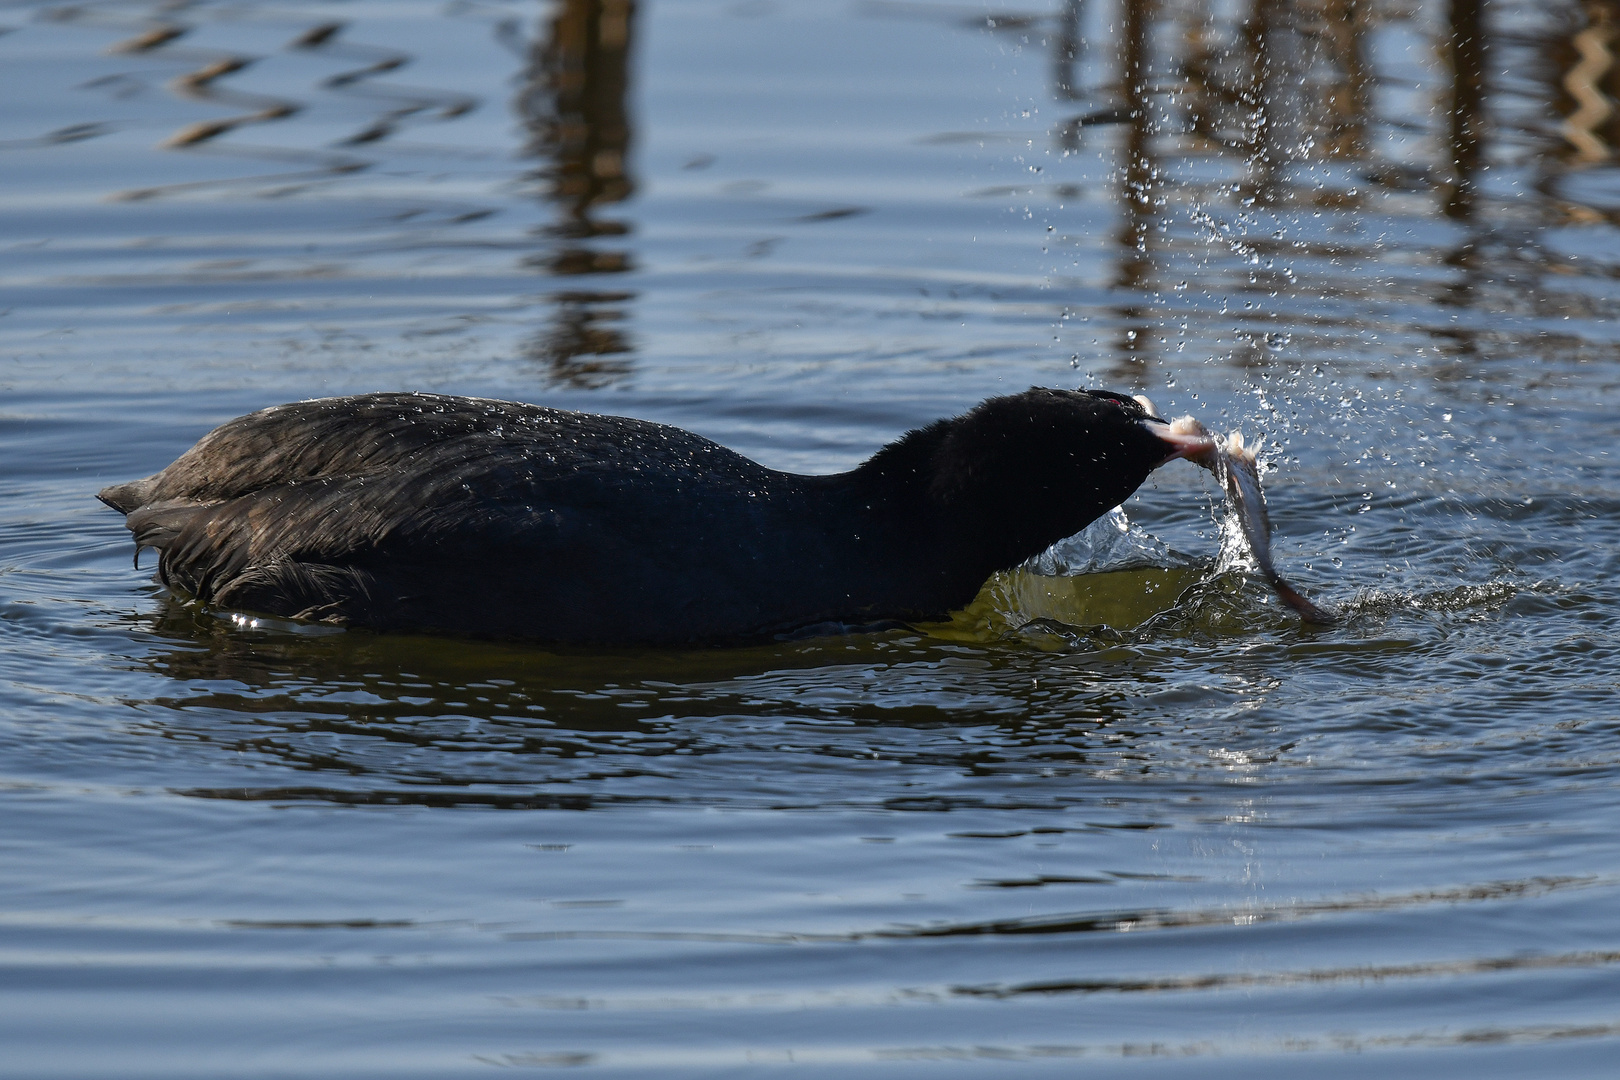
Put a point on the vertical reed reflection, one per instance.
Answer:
(1466, 51)
(1067, 46)
(574, 106)
(1138, 198)
(1268, 86)
(1265, 96)
(1344, 25)
(1589, 77)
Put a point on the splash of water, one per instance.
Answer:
(1237, 468)
(1110, 543)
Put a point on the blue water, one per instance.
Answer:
(1186, 836)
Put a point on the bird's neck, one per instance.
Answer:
(936, 533)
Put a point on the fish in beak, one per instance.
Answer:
(1236, 466)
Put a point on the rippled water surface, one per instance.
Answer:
(1139, 822)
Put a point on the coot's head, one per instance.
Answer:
(1019, 473)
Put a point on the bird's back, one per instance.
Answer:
(475, 516)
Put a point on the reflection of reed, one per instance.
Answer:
(1343, 26)
(1288, 82)
(584, 345)
(1138, 200)
(1467, 54)
(1137, 177)
(1286, 95)
(203, 83)
(574, 105)
(1584, 81)
(377, 61)
(198, 85)
(1263, 82)
(1066, 48)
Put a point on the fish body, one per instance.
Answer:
(1236, 466)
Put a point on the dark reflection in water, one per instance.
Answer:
(1139, 201)
(1068, 48)
(402, 719)
(405, 719)
(574, 104)
(1468, 117)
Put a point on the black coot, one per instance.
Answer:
(494, 518)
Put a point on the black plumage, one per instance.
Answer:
(472, 516)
